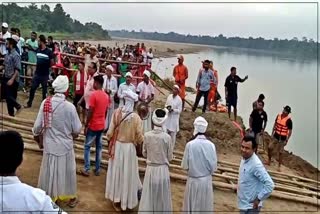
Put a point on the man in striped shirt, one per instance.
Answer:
(41, 75)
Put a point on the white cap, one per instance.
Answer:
(177, 87)
(15, 38)
(159, 121)
(110, 67)
(200, 125)
(5, 25)
(147, 73)
(60, 84)
(128, 74)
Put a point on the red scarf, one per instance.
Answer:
(47, 110)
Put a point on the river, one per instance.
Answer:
(283, 81)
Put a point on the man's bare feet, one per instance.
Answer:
(116, 206)
(267, 163)
(279, 169)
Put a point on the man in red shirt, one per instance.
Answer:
(98, 104)
(80, 80)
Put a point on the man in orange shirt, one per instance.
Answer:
(180, 74)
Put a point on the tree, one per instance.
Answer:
(45, 8)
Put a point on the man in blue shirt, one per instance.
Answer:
(254, 184)
(203, 85)
(41, 75)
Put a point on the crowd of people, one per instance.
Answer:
(114, 98)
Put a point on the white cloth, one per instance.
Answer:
(149, 57)
(61, 84)
(173, 136)
(159, 121)
(3, 48)
(21, 198)
(200, 159)
(112, 85)
(156, 192)
(110, 68)
(172, 123)
(123, 87)
(20, 44)
(200, 125)
(123, 180)
(58, 169)
(147, 73)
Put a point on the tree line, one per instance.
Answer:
(33, 18)
(305, 48)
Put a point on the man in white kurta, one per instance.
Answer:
(145, 90)
(60, 123)
(174, 105)
(200, 159)
(110, 86)
(18, 197)
(124, 134)
(157, 148)
(125, 86)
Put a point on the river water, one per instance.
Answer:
(283, 81)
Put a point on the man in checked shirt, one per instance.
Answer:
(10, 80)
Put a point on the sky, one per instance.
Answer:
(268, 20)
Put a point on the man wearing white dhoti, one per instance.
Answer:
(200, 159)
(124, 87)
(157, 148)
(145, 90)
(124, 134)
(59, 123)
(18, 197)
(174, 105)
(110, 86)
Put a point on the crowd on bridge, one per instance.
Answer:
(113, 90)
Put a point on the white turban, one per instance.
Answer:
(110, 67)
(177, 87)
(61, 84)
(128, 74)
(147, 73)
(200, 125)
(130, 98)
(159, 121)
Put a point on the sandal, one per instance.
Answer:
(72, 203)
(83, 173)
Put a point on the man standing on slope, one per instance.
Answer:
(200, 159)
(174, 105)
(282, 130)
(255, 184)
(231, 90)
(180, 74)
(157, 148)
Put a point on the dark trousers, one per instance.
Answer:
(199, 95)
(11, 93)
(36, 81)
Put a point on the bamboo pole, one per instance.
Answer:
(216, 184)
(178, 153)
(29, 139)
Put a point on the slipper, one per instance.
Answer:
(72, 203)
(118, 209)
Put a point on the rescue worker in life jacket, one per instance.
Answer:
(282, 131)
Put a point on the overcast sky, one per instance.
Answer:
(268, 20)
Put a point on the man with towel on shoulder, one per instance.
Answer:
(124, 136)
(157, 148)
(145, 90)
(200, 159)
(59, 123)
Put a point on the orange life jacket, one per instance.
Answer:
(281, 125)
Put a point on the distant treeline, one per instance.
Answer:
(32, 18)
(293, 47)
